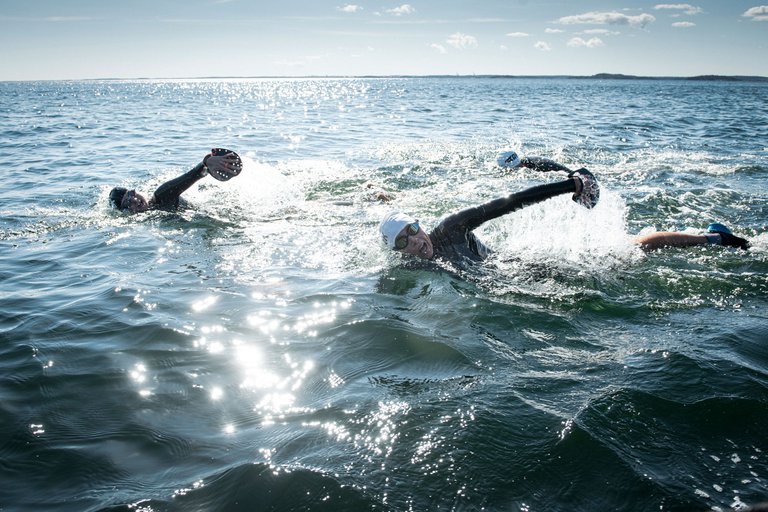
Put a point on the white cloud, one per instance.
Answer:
(683, 24)
(403, 9)
(517, 34)
(461, 41)
(601, 31)
(759, 13)
(553, 31)
(439, 48)
(608, 18)
(577, 42)
(350, 8)
(541, 45)
(687, 8)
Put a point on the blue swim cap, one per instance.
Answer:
(716, 227)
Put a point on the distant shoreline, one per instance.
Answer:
(598, 76)
(724, 78)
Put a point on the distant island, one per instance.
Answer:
(598, 76)
(723, 78)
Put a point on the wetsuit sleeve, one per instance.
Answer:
(167, 195)
(471, 218)
(540, 164)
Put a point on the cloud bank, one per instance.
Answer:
(462, 41)
(593, 42)
(350, 8)
(400, 11)
(759, 13)
(686, 8)
(608, 18)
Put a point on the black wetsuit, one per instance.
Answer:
(453, 238)
(168, 195)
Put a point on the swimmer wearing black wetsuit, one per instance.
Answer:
(453, 238)
(221, 164)
(717, 234)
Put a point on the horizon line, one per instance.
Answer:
(614, 76)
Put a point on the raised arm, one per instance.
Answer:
(167, 195)
(222, 164)
(471, 218)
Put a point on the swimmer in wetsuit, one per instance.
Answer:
(453, 238)
(717, 234)
(222, 164)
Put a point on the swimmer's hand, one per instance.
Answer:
(376, 193)
(223, 164)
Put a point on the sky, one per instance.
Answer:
(83, 39)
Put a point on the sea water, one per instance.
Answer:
(262, 351)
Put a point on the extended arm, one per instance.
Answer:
(222, 164)
(167, 195)
(541, 164)
(661, 239)
(471, 218)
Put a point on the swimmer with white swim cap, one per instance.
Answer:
(717, 234)
(453, 238)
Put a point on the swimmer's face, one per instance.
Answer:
(134, 202)
(418, 245)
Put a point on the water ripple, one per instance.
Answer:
(260, 350)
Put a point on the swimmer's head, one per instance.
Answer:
(508, 159)
(401, 232)
(116, 196)
(391, 226)
(128, 200)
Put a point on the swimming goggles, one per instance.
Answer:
(401, 242)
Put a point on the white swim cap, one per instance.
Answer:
(391, 226)
(508, 159)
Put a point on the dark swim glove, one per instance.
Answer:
(223, 164)
(590, 190)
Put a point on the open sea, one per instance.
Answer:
(262, 351)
